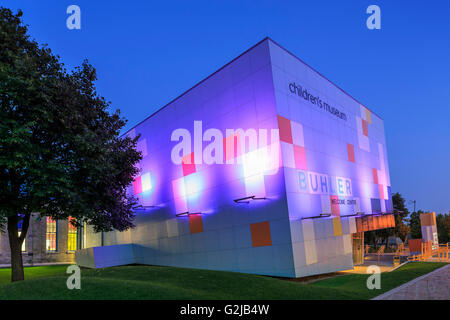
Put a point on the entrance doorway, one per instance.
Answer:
(358, 248)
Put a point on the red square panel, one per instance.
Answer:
(375, 175)
(365, 128)
(380, 188)
(231, 147)
(335, 209)
(261, 234)
(137, 185)
(195, 223)
(188, 164)
(351, 152)
(284, 126)
(300, 157)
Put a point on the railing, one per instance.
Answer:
(441, 253)
(402, 250)
(380, 252)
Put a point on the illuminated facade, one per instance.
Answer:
(284, 196)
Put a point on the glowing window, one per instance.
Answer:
(254, 164)
(71, 236)
(24, 243)
(146, 182)
(50, 235)
(142, 183)
(19, 232)
(84, 235)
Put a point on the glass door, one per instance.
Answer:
(358, 248)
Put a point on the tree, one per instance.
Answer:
(61, 153)
(414, 225)
(401, 230)
(443, 227)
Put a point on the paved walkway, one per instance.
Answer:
(431, 286)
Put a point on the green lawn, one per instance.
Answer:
(34, 272)
(152, 282)
(356, 283)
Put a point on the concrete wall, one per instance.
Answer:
(334, 161)
(249, 237)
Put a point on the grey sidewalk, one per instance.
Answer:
(431, 286)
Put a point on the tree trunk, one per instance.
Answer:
(15, 245)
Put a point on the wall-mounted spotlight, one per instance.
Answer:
(186, 214)
(248, 199)
(322, 215)
(144, 208)
(352, 215)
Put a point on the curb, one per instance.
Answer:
(400, 265)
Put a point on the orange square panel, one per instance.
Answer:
(195, 223)
(368, 116)
(428, 219)
(284, 126)
(261, 234)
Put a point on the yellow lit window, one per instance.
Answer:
(24, 243)
(50, 235)
(72, 237)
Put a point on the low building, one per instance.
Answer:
(47, 241)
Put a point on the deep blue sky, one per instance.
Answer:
(147, 53)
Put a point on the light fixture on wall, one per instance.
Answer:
(187, 214)
(322, 215)
(144, 208)
(248, 199)
(352, 215)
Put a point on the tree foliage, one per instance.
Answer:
(60, 150)
(443, 227)
(414, 225)
(401, 229)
